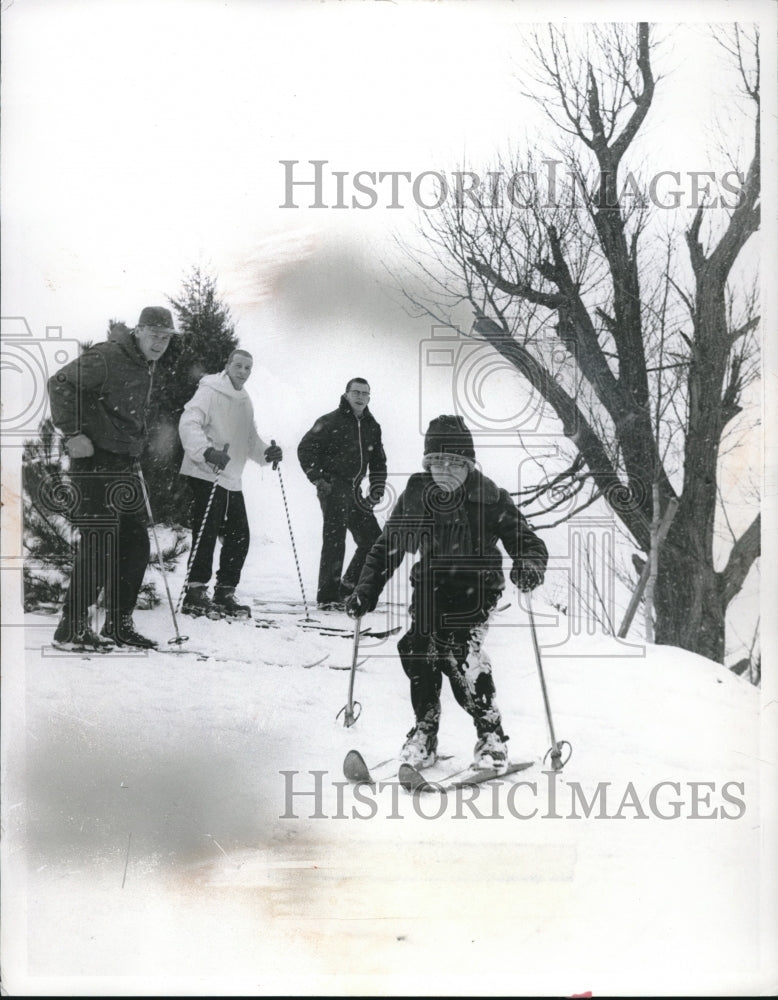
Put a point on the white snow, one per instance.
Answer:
(153, 845)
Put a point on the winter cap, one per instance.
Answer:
(449, 435)
(157, 317)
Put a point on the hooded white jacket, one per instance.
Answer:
(216, 415)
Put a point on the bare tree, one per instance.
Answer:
(656, 348)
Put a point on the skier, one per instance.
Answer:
(336, 454)
(218, 434)
(453, 516)
(100, 403)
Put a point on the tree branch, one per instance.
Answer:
(744, 554)
(519, 289)
(642, 100)
(625, 499)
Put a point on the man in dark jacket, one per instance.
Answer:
(453, 516)
(99, 402)
(336, 454)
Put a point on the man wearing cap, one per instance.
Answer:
(99, 402)
(453, 516)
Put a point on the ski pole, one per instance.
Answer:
(556, 747)
(291, 535)
(178, 637)
(352, 709)
(193, 554)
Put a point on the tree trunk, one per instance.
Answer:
(690, 606)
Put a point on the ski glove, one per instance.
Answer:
(273, 453)
(359, 603)
(323, 488)
(79, 446)
(373, 499)
(218, 459)
(526, 576)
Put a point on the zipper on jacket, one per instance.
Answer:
(358, 477)
(148, 398)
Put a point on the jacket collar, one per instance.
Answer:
(345, 407)
(222, 383)
(129, 345)
(480, 489)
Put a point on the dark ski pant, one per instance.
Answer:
(446, 637)
(226, 520)
(107, 508)
(342, 512)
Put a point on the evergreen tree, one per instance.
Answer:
(208, 338)
(48, 549)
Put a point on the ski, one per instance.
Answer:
(199, 653)
(85, 652)
(329, 630)
(122, 652)
(368, 633)
(412, 780)
(223, 658)
(356, 770)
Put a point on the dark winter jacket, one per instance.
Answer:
(105, 394)
(456, 536)
(341, 447)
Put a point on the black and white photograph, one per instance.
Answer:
(388, 498)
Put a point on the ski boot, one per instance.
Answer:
(122, 631)
(197, 602)
(224, 603)
(419, 749)
(491, 752)
(78, 637)
(331, 606)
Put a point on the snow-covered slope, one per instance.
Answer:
(179, 824)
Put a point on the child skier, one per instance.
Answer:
(453, 516)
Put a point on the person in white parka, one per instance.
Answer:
(219, 436)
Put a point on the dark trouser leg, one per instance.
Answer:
(123, 571)
(456, 650)
(84, 587)
(133, 553)
(113, 548)
(200, 569)
(419, 661)
(235, 540)
(335, 512)
(93, 521)
(365, 530)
